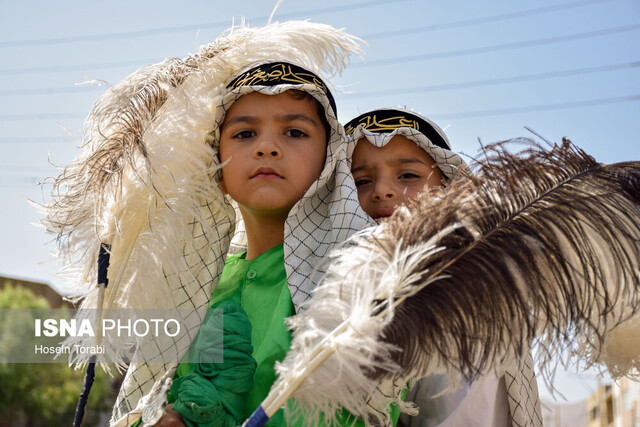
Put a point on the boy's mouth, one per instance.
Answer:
(382, 213)
(266, 172)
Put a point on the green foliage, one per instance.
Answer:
(19, 297)
(45, 394)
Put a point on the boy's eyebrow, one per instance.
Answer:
(300, 116)
(359, 168)
(240, 119)
(284, 118)
(405, 160)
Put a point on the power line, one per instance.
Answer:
(546, 107)
(432, 88)
(65, 68)
(51, 90)
(11, 182)
(41, 116)
(342, 8)
(491, 82)
(476, 21)
(507, 46)
(38, 140)
(184, 28)
(374, 63)
(480, 113)
(9, 170)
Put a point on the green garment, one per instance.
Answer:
(211, 391)
(259, 286)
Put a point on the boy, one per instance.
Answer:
(273, 141)
(396, 155)
(147, 184)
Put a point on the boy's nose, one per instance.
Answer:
(384, 191)
(267, 146)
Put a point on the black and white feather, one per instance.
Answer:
(537, 245)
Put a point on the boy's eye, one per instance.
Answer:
(295, 133)
(362, 181)
(244, 134)
(409, 175)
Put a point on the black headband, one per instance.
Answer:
(387, 120)
(277, 73)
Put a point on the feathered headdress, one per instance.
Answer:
(146, 181)
(539, 245)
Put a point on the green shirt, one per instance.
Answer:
(260, 287)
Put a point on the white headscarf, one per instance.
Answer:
(329, 211)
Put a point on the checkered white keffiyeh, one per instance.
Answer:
(522, 392)
(327, 214)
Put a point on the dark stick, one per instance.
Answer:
(86, 389)
(89, 376)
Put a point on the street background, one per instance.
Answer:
(482, 70)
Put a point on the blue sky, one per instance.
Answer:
(481, 70)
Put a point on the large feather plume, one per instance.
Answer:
(146, 183)
(538, 245)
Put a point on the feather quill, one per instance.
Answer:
(538, 245)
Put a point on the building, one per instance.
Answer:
(600, 411)
(626, 403)
(615, 405)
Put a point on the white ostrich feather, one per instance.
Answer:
(621, 353)
(347, 294)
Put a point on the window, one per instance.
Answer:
(609, 410)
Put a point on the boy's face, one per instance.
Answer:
(388, 176)
(277, 147)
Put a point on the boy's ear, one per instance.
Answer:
(223, 187)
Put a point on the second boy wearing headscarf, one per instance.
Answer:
(397, 154)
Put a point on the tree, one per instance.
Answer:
(43, 394)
